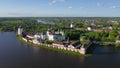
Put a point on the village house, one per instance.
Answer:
(31, 36)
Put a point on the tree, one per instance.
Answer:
(104, 38)
(48, 41)
(112, 35)
(73, 34)
(84, 40)
(79, 25)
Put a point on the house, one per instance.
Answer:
(110, 28)
(31, 36)
(117, 41)
(93, 24)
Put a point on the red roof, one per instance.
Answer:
(58, 42)
(30, 35)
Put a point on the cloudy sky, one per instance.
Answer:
(59, 8)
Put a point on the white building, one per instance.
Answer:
(37, 39)
(71, 25)
(52, 35)
(89, 28)
(20, 30)
(43, 36)
(110, 28)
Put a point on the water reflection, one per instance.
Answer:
(36, 50)
(82, 59)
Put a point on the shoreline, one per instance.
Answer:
(52, 48)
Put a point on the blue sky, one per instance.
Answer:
(59, 8)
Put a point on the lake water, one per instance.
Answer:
(15, 54)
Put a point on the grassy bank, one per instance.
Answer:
(63, 51)
(53, 49)
(21, 40)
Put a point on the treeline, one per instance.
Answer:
(29, 24)
(74, 34)
(103, 36)
(94, 36)
(84, 22)
(87, 20)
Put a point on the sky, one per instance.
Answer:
(59, 8)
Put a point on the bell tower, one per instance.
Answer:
(20, 30)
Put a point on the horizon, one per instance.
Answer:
(59, 17)
(60, 8)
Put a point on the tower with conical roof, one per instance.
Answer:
(20, 30)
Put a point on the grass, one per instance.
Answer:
(53, 49)
(20, 39)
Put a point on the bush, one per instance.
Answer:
(48, 41)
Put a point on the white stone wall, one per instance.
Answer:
(50, 37)
(43, 37)
(81, 51)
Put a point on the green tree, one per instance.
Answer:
(84, 40)
(48, 41)
(112, 35)
(104, 38)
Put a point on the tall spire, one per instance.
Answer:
(20, 30)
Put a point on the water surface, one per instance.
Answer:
(15, 54)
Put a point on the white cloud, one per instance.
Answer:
(56, 1)
(100, 4)
(115, 7)
(70, 7)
